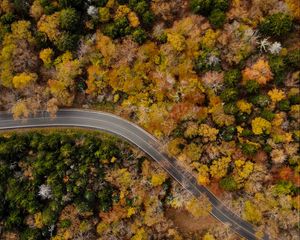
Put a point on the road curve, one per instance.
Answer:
(143, 140)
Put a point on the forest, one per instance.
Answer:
(67, 184)
(216, 81)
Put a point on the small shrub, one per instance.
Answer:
(104, 15)
(229, 94)
(202, 63)
(30, 234)
(268, 148)
(278, 68)
(249, 149)
(283, 187)
(41, 40)
(101, 3)
(232, 77)
(231, 129)
(267, 114)
(246, 133)
(277, 25)
(231, 108)
(241, 117)
(260, 100)
(50, 9)
(44, 3)
(284, 105)
(123, 27)
(148, 19)
(228, 184)
(252, 86)
(139, 36)
(295, 99)
(123, 2)
(201, 6)
(228, 133)
(67, 42)
(111, 31)
(4, 29)
(119, 28)
(221, 4)
(140, 7)
(217, 18)
(293, 59)
(65, 223)
(71, 3)
(7, 18)
(69, 19)
(90, 196)
(162, 38)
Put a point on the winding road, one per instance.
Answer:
(143, 140)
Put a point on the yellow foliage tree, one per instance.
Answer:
(219, 167)
(122, 11)
(97, 80)
(106, 46)
(49, 24)
(62, 86)
(276, 95)
(193, 151)
(36, 10)
(251, 213)
(131, 211)
(177, 41)
(260, 125)
(158, 179)
(133, 19)
(38, 221)
(140, 235)
(20, 31)
(20, 109)
(46, 56)
(242, 170)
(101, 227)
(125, 80)
(154, 120)
(6, 6)
(52, 107)
(219, 116)
(296, 202)
(208, 236)
(244, 106)
(24, 79)
(293, 6)
(199, 207)
(6, 74)
(203, 174)
(121, 178)
(67, 69)
(175, 146)
(208, 133)
(192, 130)
(209, 39)
(59, 90)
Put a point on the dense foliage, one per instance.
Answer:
(217, 81)
(41, 174)
(77, 185)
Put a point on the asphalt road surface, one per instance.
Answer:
(143, 140)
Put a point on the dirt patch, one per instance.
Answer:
(186, 223)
